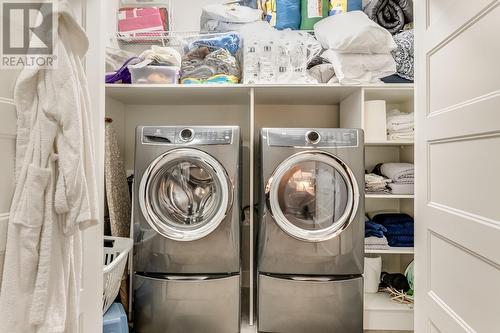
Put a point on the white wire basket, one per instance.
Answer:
(116, 252)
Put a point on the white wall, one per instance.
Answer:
(186, 14)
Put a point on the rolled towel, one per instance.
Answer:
(390, 14)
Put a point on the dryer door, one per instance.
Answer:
(185, 194)
(313, 196)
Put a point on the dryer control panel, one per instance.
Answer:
(321, 137)
(187, 135)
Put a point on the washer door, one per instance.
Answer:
(185, 194)
(312, 196)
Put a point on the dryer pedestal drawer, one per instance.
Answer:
(300, 304)
(181, 304)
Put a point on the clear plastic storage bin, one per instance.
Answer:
(155, 74)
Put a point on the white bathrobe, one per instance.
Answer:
(56, 191)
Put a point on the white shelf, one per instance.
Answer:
(389, 143)
(232, 94)
(382, 313)
(391, 94)
(388, 196)
(392, 250)
(178, 94)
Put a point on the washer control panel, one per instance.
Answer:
(187, 135)
(322, 137)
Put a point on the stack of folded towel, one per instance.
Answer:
(374, 236)
(402, 176)
(358, 48)
(376, 183)
(400, 125)
(399, 228)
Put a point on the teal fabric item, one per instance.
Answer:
(115, 320)
(410, 276)
(287, 14)
(354, 5)
(310, 18)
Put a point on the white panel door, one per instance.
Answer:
(92, 17)
(457, 165)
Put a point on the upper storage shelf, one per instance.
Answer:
(176, 94)
(284, 94)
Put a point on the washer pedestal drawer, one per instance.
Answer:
(181, 304)
(290, 304)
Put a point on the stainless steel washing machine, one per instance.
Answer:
(186, 212)
(311, 230)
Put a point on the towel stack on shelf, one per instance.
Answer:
(400, 126)
(399, 228)
(376, 183)
(374, 236)
(401, 176)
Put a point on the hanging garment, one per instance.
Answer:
(55, 195)
(117, 196)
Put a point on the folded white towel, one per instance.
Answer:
(375, 243)
(400, 121)
(372, 240)
(403, 136)
(402, 188)
(371, 178)
(398, 172)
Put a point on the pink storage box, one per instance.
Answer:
(140, 19)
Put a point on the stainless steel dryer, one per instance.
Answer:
(311, 232)
(187, 229)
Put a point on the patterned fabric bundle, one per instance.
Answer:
(404, 54)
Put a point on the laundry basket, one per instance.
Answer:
(116, 250)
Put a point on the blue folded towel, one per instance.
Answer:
(400, 229)
(395, 218)
(374, 229)
(400, 240)
(374, 233)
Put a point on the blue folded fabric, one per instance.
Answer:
(400, 241)
(230, 42)
(375, 233)
(400, 229)
(374, 229)
(395, 218)
(402, 238)
(400, 244)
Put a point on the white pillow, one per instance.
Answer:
(355, 68)
(353, 32)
